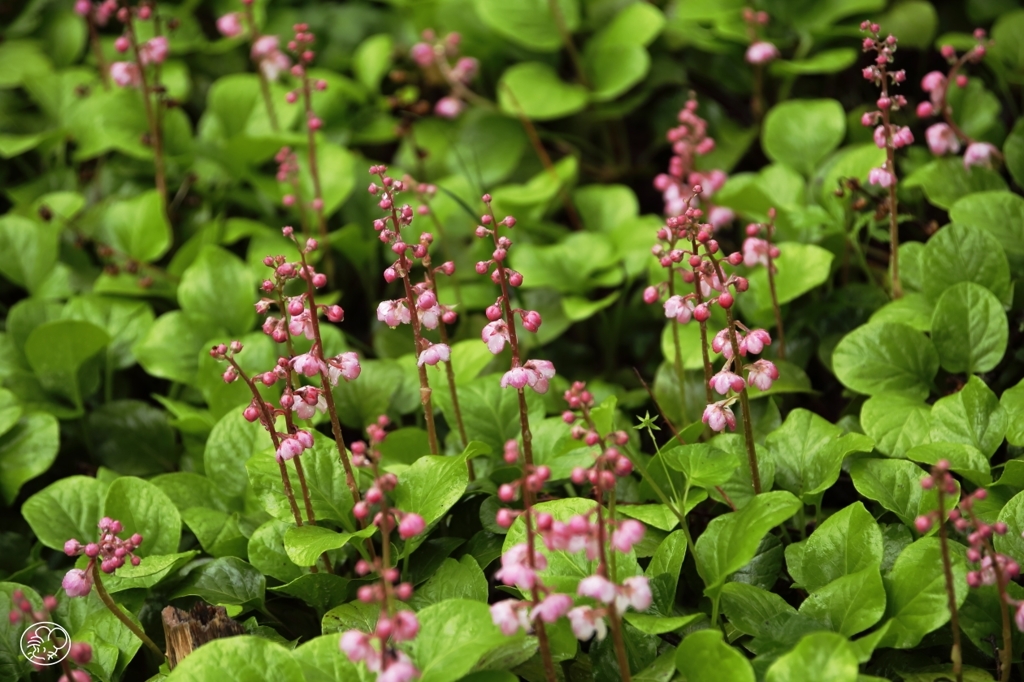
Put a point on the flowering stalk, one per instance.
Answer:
(300, 46)
(887, 135)
(230, 26)
(757, 251)
(758, 54)
(94, 14)
(393, 626)
(105, 556)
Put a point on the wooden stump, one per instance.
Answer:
(186, 631)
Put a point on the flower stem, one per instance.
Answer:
(947, 570)
(97, 51)
(708, 370)
(114, 609)
(268, 102)
(890, 162)
(677, 360)
(156, 137)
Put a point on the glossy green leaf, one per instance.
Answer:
(170, 349)
(529, 23)
(886, 357)
(704, 655)
(27, 451)
(320, 661)
(801, 133)
(969, 329)
(1001, 214)
(218, 532)
(896, 422)
(534, 90)
(801, 268)
(1012, 514)
(138, 227)
(896, 485)
(849, 604)
(432, 486)
(972, 416)
(68, 508)
(612, 69)
(219, 286)
(945, 182)
(454, 635)
(59, 353)
(957, 253)
(847, 542)
(703, 464)
(965, 460)
(246, 657)
(305, 544)
(1012, 401)
(267, 553)
(226, 581)
(821, 656)
(143, 508)
(372, 59)
(460, 579)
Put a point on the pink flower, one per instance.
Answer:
(679, 308)
(881, 177)
(448, 107)
(761, 53)
(941, 139)
(586, 623)
(979, 154)
(514, 567)
(1018, 616)
(725, 380)
(598, 588)
(273, 64)
(465, 69)
(635, 592)
(301, 324)
(399, 671)
(230, 25)
(719, 216)
(307, 365)
(410, 526)
(509, 615)
(722, 344)
(718, 416)
(345, 366)
(83, 7)
(357, 646)
(264, 47)
(495, 335)
(902, 137)
(518, 377)
(72, 547)
(288, 449)
(627, 534)
(393, 313)
(934, 83)
(154, 51)
(422, 54)
(650, 295)
(761, 374)
(77, 583)
(438, 352)
(429, 317)
(405, 626)
(544, 371)
(553, 607)
(879, 136)
(755, 251)
(125, 74)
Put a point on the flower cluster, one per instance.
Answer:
(887, 136)
(153, 51)
(760, 51)
(679, 186)
(23, 612)
(434, 56)
(269, 59)
(97, 12)
(946, 137)
(23, 616)
(109, 551)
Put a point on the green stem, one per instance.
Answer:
(121, 616)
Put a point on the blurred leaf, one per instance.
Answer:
(138, 227)
(534, 90)
(705, 655)
(803, 132)
(372, 59)
(219, 287)
(36, 247)
(1001, 214)
(529, 23)
(27, 451)
(58, 353)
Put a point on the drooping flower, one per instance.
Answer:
(125, 74)
(718, 416)
(495, 335)
(629, 533)
(394, 313)
(308, 365)
(755, 251)
(762, 373)
(77, 583)
(510, 615)
(436, 353)
(597, 587)
(979, 154)
(754, 342)
(941, 139)
(552, 607)
(761, 52)
(449, 107)
(230, 25)
(154, 51)
(679, 308)
(586, 623)
(345, 366)
(635, 592)
(724, 380)
(881, 177)
(410, 526)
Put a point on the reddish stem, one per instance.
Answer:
(151, 117)
(890, 163)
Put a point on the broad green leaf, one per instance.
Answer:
(372, 59)
(267, 553)
(361, 402)
(58, 352)
(305, 544)
(355, 615)
(1012, 514)
(886, 357)
(143, 508)
(432, 486)
(945, 182)
(847, 542)
(217, 531)
(636, 24)
(126, 322)
(957, 253)
(913, 309)
(529, 23)
(68, 508)
(896, 422)
(225, 581)
(704, 655)
(914, 22)
(612, 69)
(819, 656)
(801, 133)
(1013, 151)
(460, 579)
(36, 245)
(219, 286)
(255, 659)
(969, 329)
(999, 213)
(320, 661)
(109, 636)
(965, 460)
(490, 413)
(320, 590)
(10, 411)
(658, 625)
(138, 227)
(602, 208)
(454, 635)
(826, 61)
(572, 266)
(132, 438)
(809, 452)
(668, 559)
(917, 602)
(704, 465)
(849, 604)
(534, 90)
(337, 175)
(851, 162)
(27, 451)
(755, 611)
(896, 485)
(170, 349)
(731, 540)
(973, 416)
(232, 442)
(1012, 402)
(801, 268)
(150, 572)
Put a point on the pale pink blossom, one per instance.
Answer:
(125, 74)
(725, 380)
(754, 342)
(515, 570)
(438, 352)
(264, 47)
(544, 371)
(934, 83)
(430, 317)
(881, 177)
(1018, 616)
(404, 626)
(552, 607)
(393, 313)
(598, 588)
(401, 670)
(719, 216)
(301, 324)
(586, 623)
(357, 646)
(77, 583)
(510, 615)
(718, 416)
(465, 69)
(289, 448)
(627, 534)
(83, 7)
(942, 140)
(679, 308)
(422, 54)
(410, 526)
(154, 51)
(495, 335)
(308, 365)
(449, 107)
(635, 592)
(722, 344)
(979, 154)
(755, 251)
(230, 25)
(761, 53)
(274, 64)
(761, 374)
(344, 366)
(518, 378)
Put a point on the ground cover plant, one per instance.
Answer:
(534, 339)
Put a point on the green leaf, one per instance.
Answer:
(255, 659)
(801, 133)
(361, 402)
(826, 61)
(636, 24)
(529, 23)
(704, 465)
(143, 508)
(454, 635)
(668, 558)
(731, 540)
(913, 309)
(68, 508)
(217, 531)
(896, 422)
(917, 602)
(655, 515)
(131, 437)
(602, 208)
(490, 413)
(320, 590)
(847, 542)
(337, 175)
(534, 90)
(801, 268)
(969, 329)
(228, 581)
(13, 664)
(965, 460)
(886, 357)
(138, 227)
(1013, 151)
(355, 615)
(849, 604)
(170, 349)
(219, 286)
(819, 656)
(126, 322)
(1012, 402)
(372, 59)
(914, 21)
(36, 245)
(1012, 514)
(945, 182)
(10, 411)
(432, 486)
(658, 625)
(704, 655)
(957, 254)
(266, 552)
(27, 451)
(460, 579)
(305, 544)
(612, 69)
(232, 442)
(896, 485)
(321, 663)
(58, 352)
(809, 452)
(150, 572)
(973, 416)
(755, 611)
(1001, 214)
